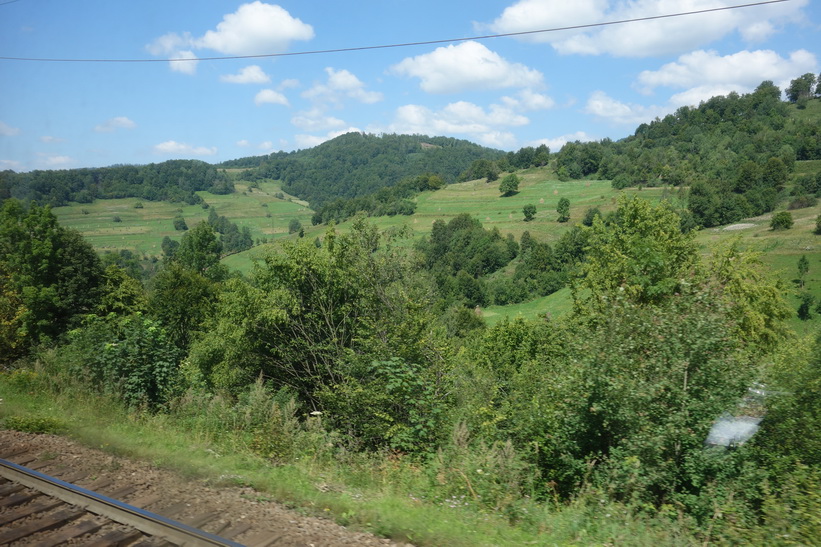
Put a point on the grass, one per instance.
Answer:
(142, 230)
(372, 493)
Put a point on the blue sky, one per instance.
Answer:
(503, 92)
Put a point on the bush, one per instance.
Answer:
(33, 424)
(802, 202)
(179, 224)
(782, 220)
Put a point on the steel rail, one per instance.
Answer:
(145, 521)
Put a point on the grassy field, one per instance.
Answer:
(142, 229)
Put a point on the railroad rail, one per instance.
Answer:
(39, 509)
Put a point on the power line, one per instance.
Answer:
(388, 46)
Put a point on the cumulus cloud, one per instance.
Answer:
(742, 71)
(252, 74)
(255, 28)
(527, 99)
(642, 38)
(49, 139)
(174, 148)
(341, 84)
(607, 108)
(483, 125)
(316, 120)
(309, 141)
(57, 161)
(243, 143)
(8, 131)
(10, 164)
(112, 124)
(269, 96)
(466, 66)
(555, 144)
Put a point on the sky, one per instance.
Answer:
(504, 92)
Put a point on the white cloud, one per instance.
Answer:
(266, 145)
(8, 131)
(341, 84)
(555, 144)
(607, 108)
(269, 96)
(256, 28)
(316, 120)
(10, 164)
(186, 67)
(290, 83)
(309, 141)
(252, 74)
(175, 46)
(112, 124)
(527, 99)
(740, 72)
(466, 66)
(57, 161)
(643, 38)
(485, 126)
(174, 148)
(48, 139)
(243, 143)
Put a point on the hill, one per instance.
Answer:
(357, 164)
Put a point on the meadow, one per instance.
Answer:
(142, 229)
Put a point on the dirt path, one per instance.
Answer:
(268, 520)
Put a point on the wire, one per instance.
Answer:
(388, 46)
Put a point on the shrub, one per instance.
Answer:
(781, 220)
(33, 424)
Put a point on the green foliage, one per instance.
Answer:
(182, 300)
(590, 215)
(174, 180)
(306, 308)
(817, 230)
(755, 299)
(563, 208)
(529, 211)
(179, 224)
(391, 403)
(121, 293)
(803, 268)
(781, 220)
(509, 185)
(200, 251)
(357, 164)
(131, 357)
(51, 275)
(642, 257)
(294, 226)
(805, 308)
(34, 424)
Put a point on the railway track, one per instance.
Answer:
(38, 509)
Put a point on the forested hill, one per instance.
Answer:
(174, 180)
(734, 152)
(357, 164)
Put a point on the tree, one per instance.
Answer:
(182, 300)
(200, 251)
(805, 308)
(803, 268)
(294, 226)
(641, 257)
(529, 211)
(801, 88)
(590, 215)
(564, 210)
(179, 224)
(817, 230)
(781, 220)
(52, 272)
(509, 185)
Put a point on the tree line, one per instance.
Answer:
(173, 181)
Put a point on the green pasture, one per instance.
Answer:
(142, 229)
